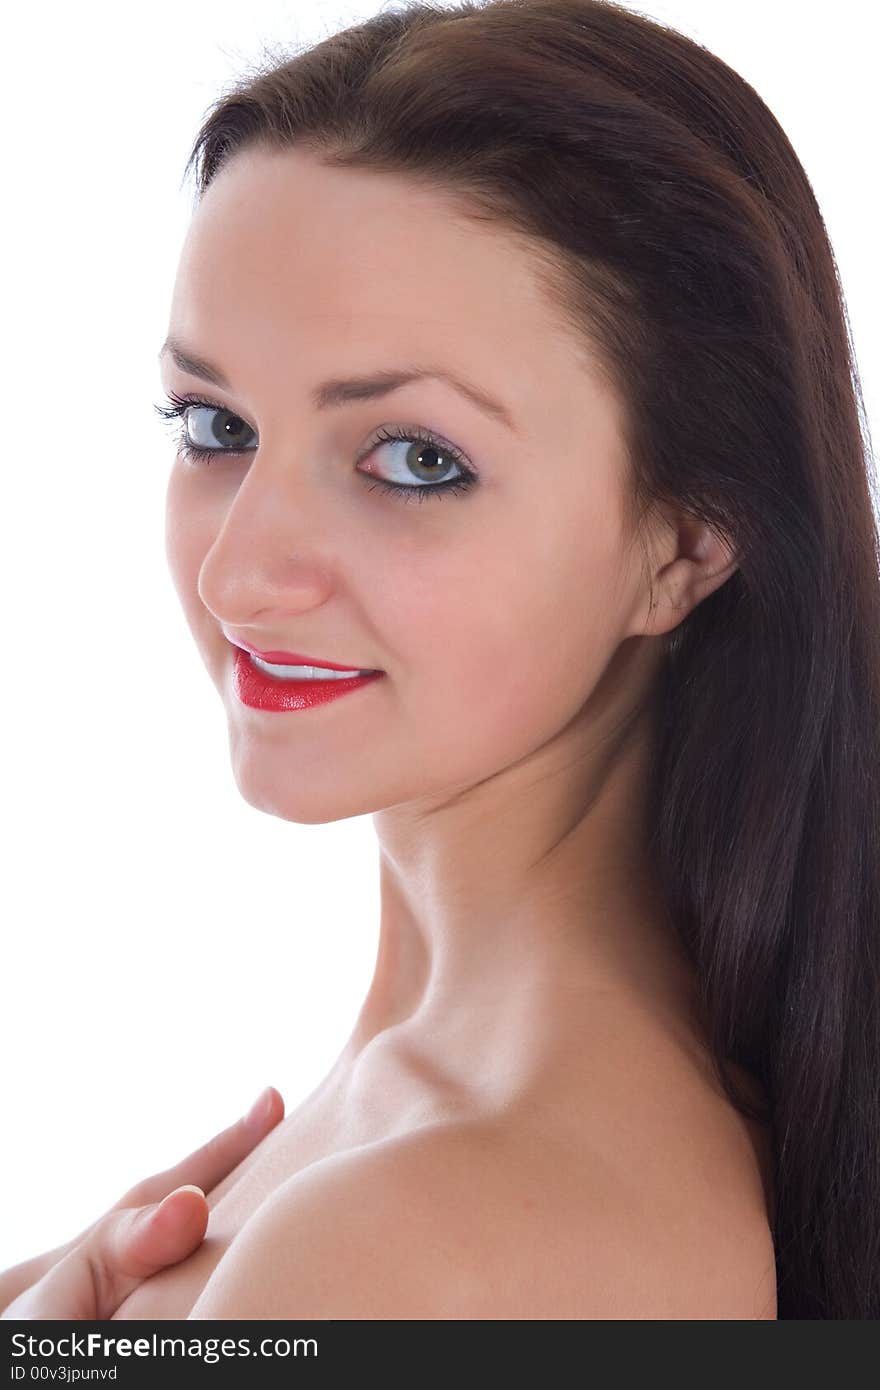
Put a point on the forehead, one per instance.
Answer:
(287, 261)
(279, 234)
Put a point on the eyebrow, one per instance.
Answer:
(341, 390)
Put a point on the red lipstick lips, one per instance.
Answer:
(262, 691)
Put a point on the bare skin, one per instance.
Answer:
(645, 1077)
(527, 977)
(85, 1276)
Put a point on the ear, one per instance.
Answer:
(689, 562)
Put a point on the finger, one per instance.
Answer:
(208, 1165)
(131, 1246)
(123, 1249)
(204, 1167)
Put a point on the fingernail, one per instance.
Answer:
(259, 1110)
(186, 1187)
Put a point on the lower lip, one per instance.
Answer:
(260, 691)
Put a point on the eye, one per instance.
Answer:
(427, 459)
(220, 435)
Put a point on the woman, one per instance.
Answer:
(613, 707)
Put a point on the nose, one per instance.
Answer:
(268, 556)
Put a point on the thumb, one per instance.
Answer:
(130, 1245)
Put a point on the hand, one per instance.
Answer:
(121, 1250)
(140, 1234)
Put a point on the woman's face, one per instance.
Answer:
(493, 611)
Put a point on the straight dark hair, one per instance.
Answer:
(676, 229)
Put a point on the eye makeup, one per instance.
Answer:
(179, 407)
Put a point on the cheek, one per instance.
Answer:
(502, 633)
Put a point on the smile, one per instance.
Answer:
(264, 685)
(303, 673)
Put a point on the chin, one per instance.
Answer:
(294, 796)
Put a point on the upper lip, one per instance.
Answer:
(280, 658)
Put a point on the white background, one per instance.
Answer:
(168, 950)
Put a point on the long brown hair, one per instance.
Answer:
(677, 230)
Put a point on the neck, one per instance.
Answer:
(513, 909)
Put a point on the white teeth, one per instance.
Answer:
(302, 673)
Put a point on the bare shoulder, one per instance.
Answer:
(479, 1222)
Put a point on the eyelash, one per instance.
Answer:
(197, 453)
